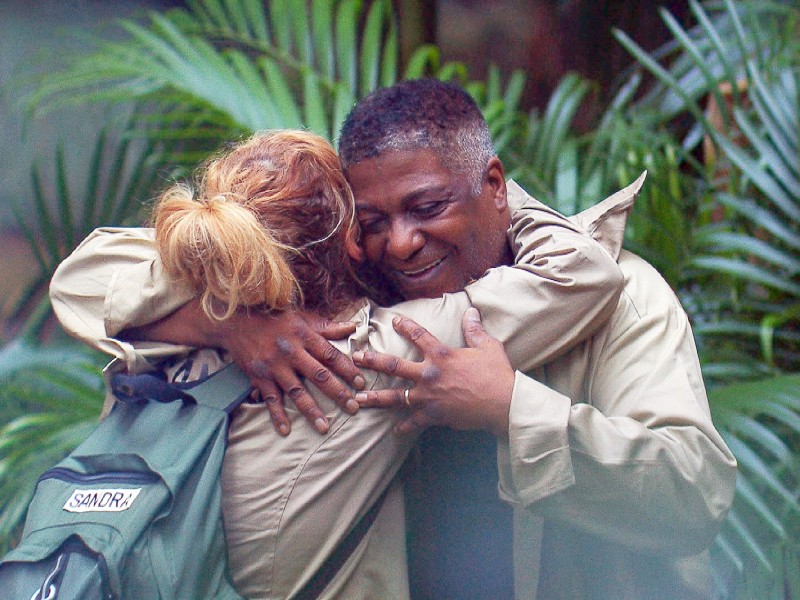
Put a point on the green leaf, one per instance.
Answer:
(747, 271)
(314, 112)
(288, 114)
(281, 20)
(371, 45)
(322, 26)
(346, 44)
(422, 61)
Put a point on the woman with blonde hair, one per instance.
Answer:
(271, 227)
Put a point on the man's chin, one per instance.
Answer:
(429, 289)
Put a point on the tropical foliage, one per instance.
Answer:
(714, 116)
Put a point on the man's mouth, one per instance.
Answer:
(421, 271)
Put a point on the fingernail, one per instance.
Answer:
(358, 356)
(473, 314)
(395, 320)
(284, 429)
(321, 425)
(359, 382)
(361, 397)
(352, 406)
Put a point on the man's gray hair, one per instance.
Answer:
(420, 114)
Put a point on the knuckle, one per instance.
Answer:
(369, 358)
(259, 369)
(321, 375)
(442, 351)
(392, 364)
(271, 398)
(430, 373)
(330, 354)
(301, 331)
(295, 392)
(285, 347)
(415, 332)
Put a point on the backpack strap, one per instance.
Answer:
(224, 389)
(316, 585)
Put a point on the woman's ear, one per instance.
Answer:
(351, 245)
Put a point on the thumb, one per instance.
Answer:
(330, 330)
(471, 325)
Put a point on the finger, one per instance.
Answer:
(472, 326)
(273, 399)
(294, 389)
(416, 422)
(388, 398)
(389, 364)
(336, 362)
(418, 335)
(336, 330)
(305, 364)
(332, 330)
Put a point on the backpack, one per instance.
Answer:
(134, 511)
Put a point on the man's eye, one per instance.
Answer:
(429, 209)
(371, 226)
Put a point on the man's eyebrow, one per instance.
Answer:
(435, 190)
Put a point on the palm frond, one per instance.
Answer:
(761, 421)
(248, 69)
(118, 180)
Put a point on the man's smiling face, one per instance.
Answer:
(422, 225)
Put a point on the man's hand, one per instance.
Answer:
(465, 388)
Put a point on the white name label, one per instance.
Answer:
(109, 500)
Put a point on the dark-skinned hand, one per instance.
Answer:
(461, 388)
(276, 351)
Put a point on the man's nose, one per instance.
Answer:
(405, 240)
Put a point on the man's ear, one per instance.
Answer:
(496, 179)
(351, 245)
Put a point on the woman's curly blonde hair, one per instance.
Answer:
(265, 227)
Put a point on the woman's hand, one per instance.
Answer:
(464, 388)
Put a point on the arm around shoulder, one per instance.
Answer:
(113, 281)
(563, 286)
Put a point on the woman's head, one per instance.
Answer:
(269, 224)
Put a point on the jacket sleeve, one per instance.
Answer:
(615, 438)
(113, 280)
(563, 287)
